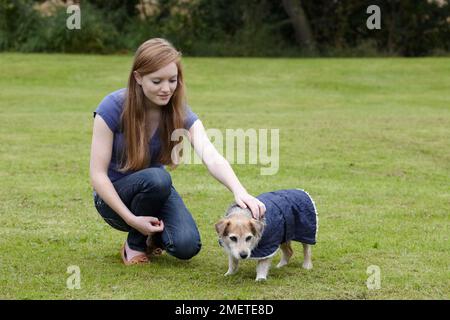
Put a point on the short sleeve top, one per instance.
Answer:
(110, 109)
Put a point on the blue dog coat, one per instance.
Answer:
(290, 215)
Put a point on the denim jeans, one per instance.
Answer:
(149, 192)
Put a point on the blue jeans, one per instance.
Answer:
(149, 192)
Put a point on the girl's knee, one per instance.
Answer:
(157, 181)
(185, 249)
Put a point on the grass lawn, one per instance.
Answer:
(369, 139)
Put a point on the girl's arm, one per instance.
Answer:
(101, 149)
(220, 169)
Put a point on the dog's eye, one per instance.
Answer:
(248, 238)
(233, 238)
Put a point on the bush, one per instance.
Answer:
(230, 27)
(24, 29)
(97, 34)
(17, 20)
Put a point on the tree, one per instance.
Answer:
(300, 22)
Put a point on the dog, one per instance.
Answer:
(291, 215)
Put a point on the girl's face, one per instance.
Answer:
(160, 85)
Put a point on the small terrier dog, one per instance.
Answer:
(290, 215)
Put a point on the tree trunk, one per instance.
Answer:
(299, 20)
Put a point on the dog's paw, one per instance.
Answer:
(229, 273)
(260, 279)
(307, 265)
(281, 264)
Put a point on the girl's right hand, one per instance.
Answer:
(147, 225)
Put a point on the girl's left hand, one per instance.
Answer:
(244, 200)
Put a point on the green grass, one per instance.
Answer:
(369, 139)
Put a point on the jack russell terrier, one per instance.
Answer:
(291, 215)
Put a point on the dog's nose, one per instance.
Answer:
(243, 255)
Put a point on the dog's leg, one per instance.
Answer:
(307, 262)
(233, 265)
(262, 269)
(286, 254)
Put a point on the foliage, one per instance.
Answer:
(231, 27)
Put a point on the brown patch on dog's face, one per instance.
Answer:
(256, 227)
(222, 227)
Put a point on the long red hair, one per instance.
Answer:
(151, 56)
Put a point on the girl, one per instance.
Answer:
(131, 143)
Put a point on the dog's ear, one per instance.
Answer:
(257, 227)
(222, 226)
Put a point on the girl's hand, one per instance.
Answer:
(147, 225)
(244, 200)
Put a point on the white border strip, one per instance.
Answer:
(315, 211)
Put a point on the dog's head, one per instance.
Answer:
(239, 232)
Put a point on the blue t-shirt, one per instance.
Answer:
(110, 109)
